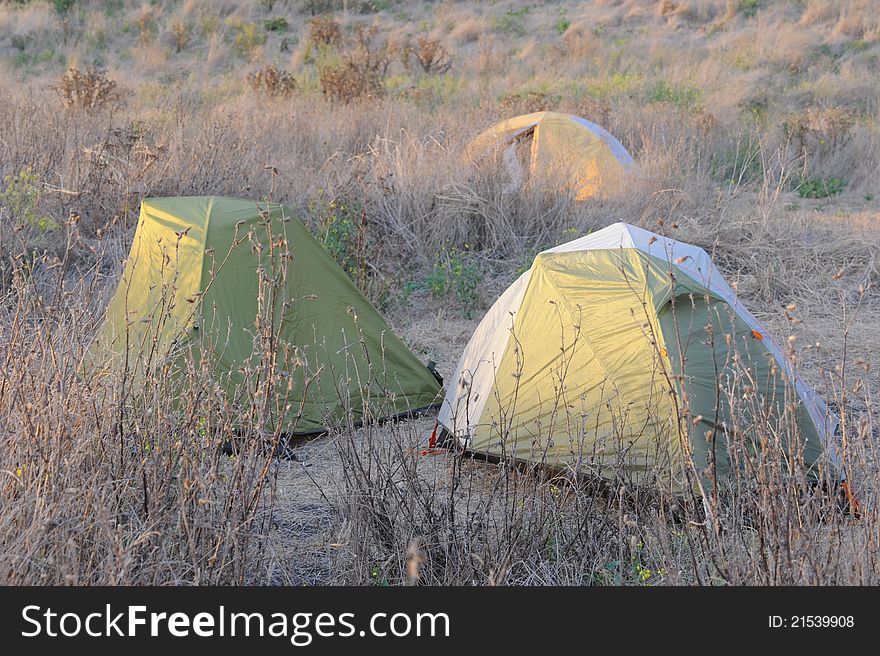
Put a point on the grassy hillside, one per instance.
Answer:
(755, 127)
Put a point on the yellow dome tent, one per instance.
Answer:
(590, 359)
(583, 155)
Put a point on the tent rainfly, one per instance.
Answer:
(590, 358)
(576, 153)
(207, 276)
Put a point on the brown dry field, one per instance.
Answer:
(756, 128)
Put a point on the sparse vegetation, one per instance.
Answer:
(278, 24)
(361, 71)
(429, 54)
(512, 22)
(95, 500)
(272, 81)
(324, 30)
(663, 91)
(21, 198)
(63, 6)
(147, 27)
(88, 90)
(748, 8)
(455, 275)
(246, 37)
(526, 102)
(754, 126)
(181, 34)
(818, 187)
(343, 230)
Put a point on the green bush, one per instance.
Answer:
(562, 26)
(615, 85)
(21, 197)
(454, 274)
(633, 572)
(63, 6)
(45, 56)
(740, 164)
(275, 24)
(246, 37)
(748, 8)
(19, 41)
(817, 187)
(337, 231)
(857, 46)
(512, 22)
(344, 231)
(684, 97)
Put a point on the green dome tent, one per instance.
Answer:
(225, 280)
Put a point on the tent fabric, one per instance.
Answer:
(585, 156)
(587, 359)
(206, 276)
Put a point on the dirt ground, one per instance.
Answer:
(307, 524)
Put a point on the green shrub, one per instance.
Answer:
(512, 22)
(344, 232)
(857, 46)
(19, 41)
(430, 91)
(663, 91)
(748, 8)
(817, 187)
(21, 197)
(562, 26)
(63, 6)
(740, 164)
(614, 85)
(454, 273)
(374, 6)
(636, 571)
(45, 56)
(275, 24)
(246, 37)
(208, 25)
(528, 101)
(336, 229)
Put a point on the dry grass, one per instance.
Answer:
(728, 109)
(103, 481)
